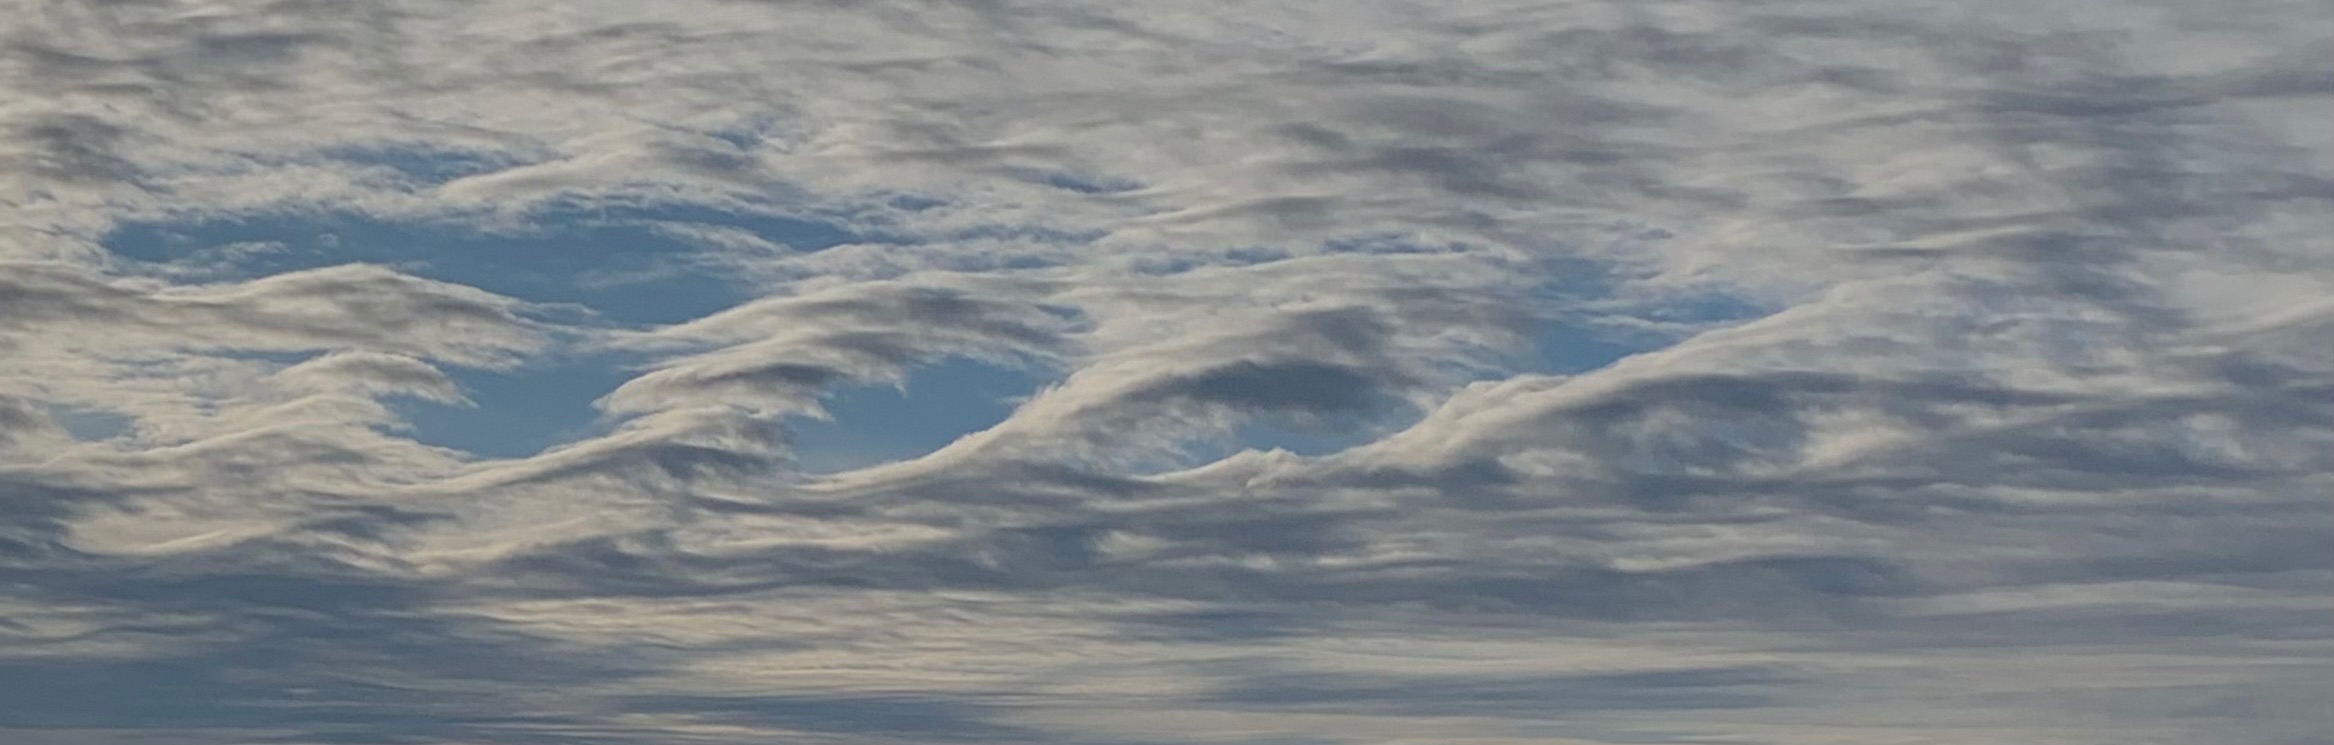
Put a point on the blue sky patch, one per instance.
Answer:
(614, 261)
(517, 413)
(91, 425)
(879, 423)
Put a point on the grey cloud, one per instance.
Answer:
(354, 307)
(24, 424)
(1272, 387)
(1707, 688)
(74, 147)
(372, 373)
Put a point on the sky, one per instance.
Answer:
(1291, 372)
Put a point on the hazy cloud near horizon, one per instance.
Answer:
(1464, 372)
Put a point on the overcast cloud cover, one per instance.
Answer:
(1327, 371)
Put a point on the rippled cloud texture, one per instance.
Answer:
(1015, 371)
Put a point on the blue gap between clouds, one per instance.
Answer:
(941, 402)
(521, 412)
(425, 165)
(567, 257)
(1557, 348)
(90, 425)
(613, 261)
(881, 423)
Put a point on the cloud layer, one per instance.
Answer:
(1461, 372)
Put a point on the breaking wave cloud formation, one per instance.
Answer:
(502, 372)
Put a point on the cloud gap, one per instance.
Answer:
(627, 263)
(91, 425)
(423, 165)
(520, 412)
(936, 404)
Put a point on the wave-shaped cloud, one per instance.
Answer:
(1972, 383)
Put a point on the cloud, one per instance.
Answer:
(778, 355)
(1971, 386)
